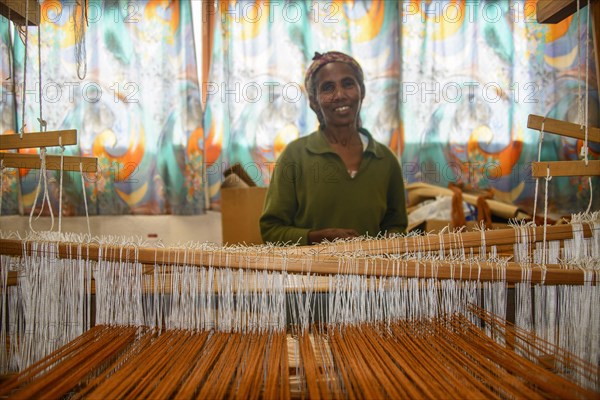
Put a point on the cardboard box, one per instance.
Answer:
(241, 209)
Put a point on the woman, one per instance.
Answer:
(337, 182)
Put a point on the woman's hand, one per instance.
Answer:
(330, 234)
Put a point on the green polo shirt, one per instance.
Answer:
(311, 189)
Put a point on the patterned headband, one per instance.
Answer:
(320, 60)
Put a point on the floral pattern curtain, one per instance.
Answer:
(449, 87)
(472, 74)
(133, 98)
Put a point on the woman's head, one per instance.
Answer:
(312, 78)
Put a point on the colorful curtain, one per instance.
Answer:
(472, 73)
(449, 87)
(256, 102)
(137, 107)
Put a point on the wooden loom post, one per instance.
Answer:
(21, 12)
(554, 11)
(28, 13)
(564, 168)
(551, 12)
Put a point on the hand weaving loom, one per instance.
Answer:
(396, 317)
(406, 317)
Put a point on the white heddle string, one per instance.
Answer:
(60, 184)
(579, 97)
(548, 178)
(589, 207)
(45, 196)
(41, 118)
(537, 180)
(584, 148)
(80, 49)
(22, 130)
(87, 216)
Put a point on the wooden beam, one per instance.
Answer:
(565, 168)
(449, 242)
(20, 12)
(223, 258)
(563, 128)
(38, 139)
(32, 161)
(554, 11)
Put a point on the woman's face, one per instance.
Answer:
(338, 94)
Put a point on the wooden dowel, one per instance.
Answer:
(20, 12)
(32, 161)
(447, 241)
(563, 128)
(565, 168)
(554, 11)
(484, 272)
(433, 242)
(38, 139)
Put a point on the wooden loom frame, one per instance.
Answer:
(322, 258)
(44, 139)
(551, 12)
(331, 259)
(326, 263)
(28, 13)
(325, 259)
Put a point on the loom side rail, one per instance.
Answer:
(38, 139)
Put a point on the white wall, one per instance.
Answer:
(170, 229)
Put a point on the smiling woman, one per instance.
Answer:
(337, 182)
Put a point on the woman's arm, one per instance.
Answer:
(281, 205)
(396, 218)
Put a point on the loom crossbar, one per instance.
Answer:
(21, 12)
(434, 242)
(563, 128)
(38, 139)
(327, 262)
(554, 11)
(565, 168)
(32, 161)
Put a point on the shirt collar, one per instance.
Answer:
(317, 143)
